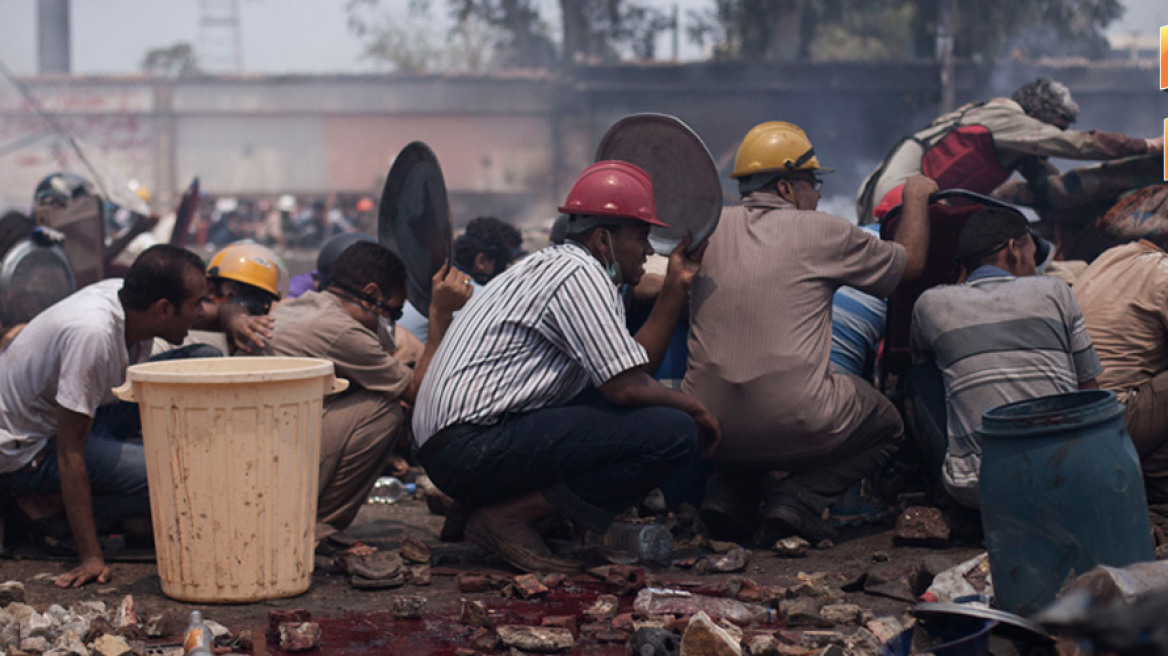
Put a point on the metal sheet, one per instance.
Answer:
(32, 277)
(685, 179)
(414, 217)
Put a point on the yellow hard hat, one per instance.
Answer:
(775, 147)
(250, 264)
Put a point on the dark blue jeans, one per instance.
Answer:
(114, 457)
(589, 459)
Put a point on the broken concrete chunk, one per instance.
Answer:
(842, 613)
(562, 621)
(98, 627)
(415, 551)
(763, 644)
(484, 638)
(278, 617)
(604, 608)
(921, 526)
(161, 625)
(138, 647)
(37, 624)
(885, 628)
(529, 585)
(34, 645)
(418, 574)
(792, 547)
(474, 613)
(804, 612)
(862, 643)
(408, 607)
(823, 638)
(220, 634)
(126, 618)
(111, 645)
(70, 645)
(553, 580)
(11, 591)
(299, 636)
(704, 638)
(544, 640)
(744, 589)
(472, 582)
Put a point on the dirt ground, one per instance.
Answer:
(355, 621)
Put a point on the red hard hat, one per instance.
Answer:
(613, 188)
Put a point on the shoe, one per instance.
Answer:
(454, 527)
(523, 549)
(784, 518)
(729, 505)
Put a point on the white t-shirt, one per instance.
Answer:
(69, 356)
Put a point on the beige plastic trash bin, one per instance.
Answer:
(232, 453)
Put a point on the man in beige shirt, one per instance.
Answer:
(1124, 298)
(760, 337)
(367, 287)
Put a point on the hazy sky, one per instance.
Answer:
(279, 36)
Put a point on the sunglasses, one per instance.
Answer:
(394, 314)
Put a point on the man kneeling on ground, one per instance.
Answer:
(540, 401)
(366, 287)
(60, 432)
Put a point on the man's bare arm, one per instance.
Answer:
(72, 434)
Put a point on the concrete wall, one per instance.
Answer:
(508, 144)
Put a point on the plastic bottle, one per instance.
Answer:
(198, 639)
(648, 543)
(388, 489)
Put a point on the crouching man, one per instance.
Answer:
(61, 432)
(540, 401)
(366, 287)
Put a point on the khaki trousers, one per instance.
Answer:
(1147, 422)
(358, 431)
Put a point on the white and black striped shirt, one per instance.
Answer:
(537, 336)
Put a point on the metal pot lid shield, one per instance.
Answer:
(184, 215)
(414, 218)
(32, 278)
(685, 179)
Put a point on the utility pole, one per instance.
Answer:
(220, 36)
(676, 29)
(944, 55)
(53, 47)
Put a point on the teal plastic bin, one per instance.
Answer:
(1061, 492)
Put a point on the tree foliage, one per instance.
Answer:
(177, 60)
(516, 32)
(788, 30)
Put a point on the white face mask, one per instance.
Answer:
(610, 267)
(385, 334)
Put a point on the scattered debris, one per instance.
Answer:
(605, 607)
(649, 641)
(626, 578)
(823, 638)
(484, 638)
(884, 628)
(971, 577)
(792, 547)
(537, 639)
(842, 613)
(921, 526)
(126, 619)
(415, 551)
(704, 638)
(474, 613)
(161, 625)
(664, 601)
(1129, 583)
(734, 560)
(11, 591)
(862, 643)
(418, 574)
(111, 645)
(278, 617)
(408, 607)
(744, 589)
(763, 644)
(299, 636)
(562, 621)
(804, 612)
(529, 585)
(554, 580)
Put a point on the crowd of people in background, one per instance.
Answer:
(282, 222)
